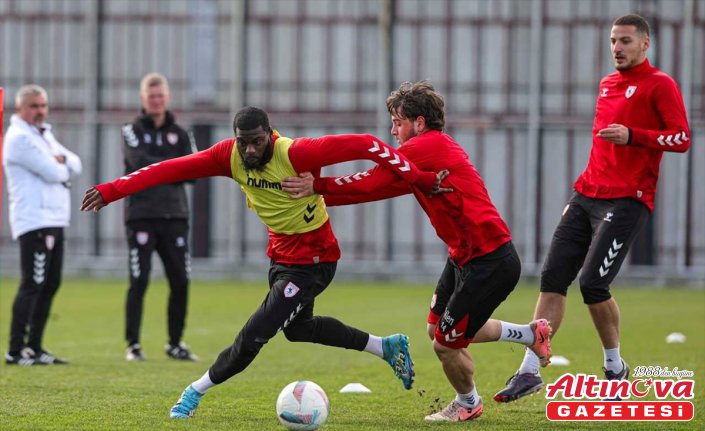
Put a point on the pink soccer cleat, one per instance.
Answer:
(542, 340)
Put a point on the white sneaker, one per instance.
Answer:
(454, 412)
(134, 353)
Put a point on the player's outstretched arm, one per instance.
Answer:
(368, 182)
(311, 154)
(214, 161)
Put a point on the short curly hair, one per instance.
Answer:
(418, 99)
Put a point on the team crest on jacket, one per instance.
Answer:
(290, 290)
(49, 240)
(172, 138)
(630, 91)
(142, 238)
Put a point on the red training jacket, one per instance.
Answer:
(305, 154)
(649, 103)
(465, 219)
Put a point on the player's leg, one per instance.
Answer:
(33, 269)
(482, 285)
(534, 335)
(304, 326)
(172, 247)
(441, 297)
(616, 223)
(54, 256)
(290, 292)
(141, 241)
(566, 254)
(329, 331)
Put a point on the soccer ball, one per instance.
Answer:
(302, 405)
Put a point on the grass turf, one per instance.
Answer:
(100, 390)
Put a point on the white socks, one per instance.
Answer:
(374, 346)
(530, 364)
(203, 384)
(613, 361)
(468, 400)
(514, 333)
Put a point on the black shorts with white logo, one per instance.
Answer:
(595, 235)
(466, 297)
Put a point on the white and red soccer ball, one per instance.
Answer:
(302, 405)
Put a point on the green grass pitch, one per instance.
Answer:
(99, 390)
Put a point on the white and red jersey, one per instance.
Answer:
(304, 154)
(465, 219)
(649, 103)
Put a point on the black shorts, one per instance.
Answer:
(595, 235)
(466, 297)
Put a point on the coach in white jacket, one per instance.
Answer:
(38, 171)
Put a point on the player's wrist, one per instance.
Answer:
(319, 186)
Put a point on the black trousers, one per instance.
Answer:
(288, 307)
(170, 239)
(593, 235)
(41, 259)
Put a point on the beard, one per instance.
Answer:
(254, 163)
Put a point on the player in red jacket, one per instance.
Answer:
(302, 248)
(483, 267)
(639, 115)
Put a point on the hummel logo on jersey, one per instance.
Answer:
(604, 92)
(672, 140)
(608, 216)
(350, 178)
(630, 91)
(385, 154)
(130, 137)
(309, 210)
(290, 290)
(261, 183)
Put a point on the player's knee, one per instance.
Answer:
(594, 293)
(443, 352)
(297, 333)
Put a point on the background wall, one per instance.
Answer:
(519, 77)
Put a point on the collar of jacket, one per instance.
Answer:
(148, 123)
(17, 121)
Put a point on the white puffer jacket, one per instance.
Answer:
(37, 184)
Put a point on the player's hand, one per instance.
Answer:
(299, 187)
(60, 158)
(92, 200)
(437, 189)
(615, 133)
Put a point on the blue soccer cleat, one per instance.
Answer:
(187, 404)
(395, 350)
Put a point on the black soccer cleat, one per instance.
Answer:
(180, 352)
(518, 386)
(42, 357)
(19, 360)
(134, 353)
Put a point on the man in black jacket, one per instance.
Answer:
(157, 218)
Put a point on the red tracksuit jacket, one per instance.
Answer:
(465, 219)
(648, 102)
